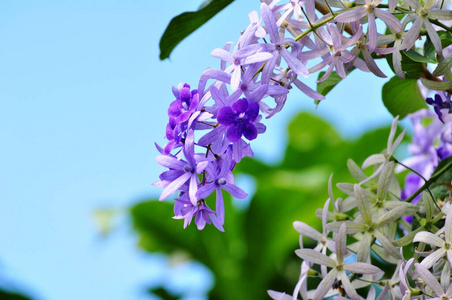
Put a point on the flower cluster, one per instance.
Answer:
(431, 143)
(210, 127)
(367, 228)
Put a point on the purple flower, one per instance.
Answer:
(181, 172)
(184, 209)
(438, 104)
(185, 104)
(239, 119)
(221, 178)
(371, 10)
(278, 48)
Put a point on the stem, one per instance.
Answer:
(438, 23)
(432, 179)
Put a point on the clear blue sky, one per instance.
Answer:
(83, 97)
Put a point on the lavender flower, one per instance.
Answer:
(239, 119)
(182, 172)
(439, 104)
(218, 179)
(371, 11)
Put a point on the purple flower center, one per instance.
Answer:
(221, 181)
(188, 168)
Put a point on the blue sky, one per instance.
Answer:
(83, 97)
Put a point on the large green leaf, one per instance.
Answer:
(184, 24)
(402, 96)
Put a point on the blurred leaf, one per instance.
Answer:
(402, 96)
(163, 293)
(5, 295)
(104, 219)
(256, 251)
(184, 24)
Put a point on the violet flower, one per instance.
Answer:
(278, 48)
(248, 55)
(185, 104)
(438, 104)
(184, 209)
(218, 179)
(182, 171)
(420, 18)
(239, 119)
(370, 10)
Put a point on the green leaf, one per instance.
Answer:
(415, 56)
(411, 68)
(328, 84)
(184, 24)
(436, 85)
(439, 188)
(446, 38)
(402, 96)
(443, 66)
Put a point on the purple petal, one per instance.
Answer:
(210, 137)
(372, 33)
(170, 162)
(219, 206)
(433, 35)
(258, 57)
(270, 23)
(308, 91)
(174, 186)
(200, 221)
(226, 116)
(267, 72)
(371, 63)
(205, 191)
(412, 35)
(294, 63)
(189, 148)
(250, 131)
(240, 106)
(253, 111)
(389, 19)
(351, 16)
(222, 54)
(235, 79)
(193, 188)
(234, 132)
(235, 191)
(258, 93)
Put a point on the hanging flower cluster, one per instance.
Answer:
(210, 127)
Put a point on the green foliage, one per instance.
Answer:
(402, 96)
(415, 56)
(6, 295)
(184, 24)
(439, 188)
(256, 252)
(411, 68)
(328, 84)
